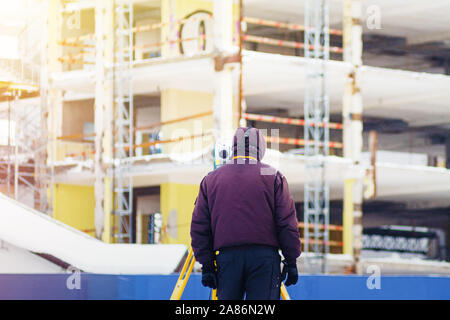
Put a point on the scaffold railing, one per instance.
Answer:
(155, 128)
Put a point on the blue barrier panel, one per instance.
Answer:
(345, 287)
(160, 287)
(310, 287)
(39, 286)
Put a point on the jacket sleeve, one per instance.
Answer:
(286, 221)
(201, 233)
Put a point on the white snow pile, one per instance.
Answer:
(29, 229)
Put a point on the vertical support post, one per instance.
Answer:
(41, 174)
(16, 146)
(139, 227)
(151, 228)
(54, 101)
(223, 88)
(352, 119)
(8, 174)
(103, 117)
(373, 146)
(347, 217)
(98, 118)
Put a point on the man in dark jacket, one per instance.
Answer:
(243, 214)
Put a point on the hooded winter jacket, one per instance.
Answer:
(244, 202)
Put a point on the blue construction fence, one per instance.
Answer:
(159, 287)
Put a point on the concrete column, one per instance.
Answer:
(54, 100)
(223, 84)
(103, 118)
(352, 110)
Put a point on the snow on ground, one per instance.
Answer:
(36, 232)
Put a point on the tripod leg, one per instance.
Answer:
(184, 276)
(284, 293)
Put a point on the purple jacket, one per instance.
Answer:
(238, 205)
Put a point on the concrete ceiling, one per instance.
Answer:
(417, 98)
(417, 20)
(276, 81)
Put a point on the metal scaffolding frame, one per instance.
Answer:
(316, 110)
(22, 159)
(123, 120)
(25, 147)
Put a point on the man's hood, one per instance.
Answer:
(249, 142)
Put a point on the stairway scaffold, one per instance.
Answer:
(316, 110)
(123, 138)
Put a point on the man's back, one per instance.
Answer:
(242, 204)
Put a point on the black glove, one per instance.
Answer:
(289, 270)
(209, 276)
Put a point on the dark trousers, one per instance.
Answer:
(250, 270)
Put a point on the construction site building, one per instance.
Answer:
(113, 110)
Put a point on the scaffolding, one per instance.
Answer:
(316, 110)
(20, 159)
(123, 124)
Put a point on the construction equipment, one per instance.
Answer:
(220, 155)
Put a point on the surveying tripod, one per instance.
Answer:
(186, 272)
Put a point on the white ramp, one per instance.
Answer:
(31, 230)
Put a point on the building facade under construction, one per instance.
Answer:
(111, 113)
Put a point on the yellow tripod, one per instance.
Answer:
(186, 272)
